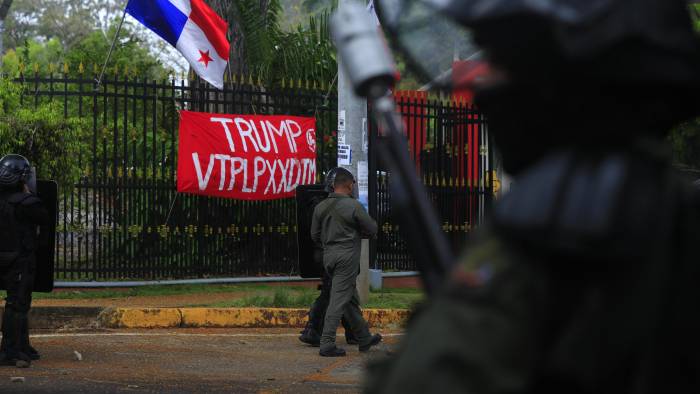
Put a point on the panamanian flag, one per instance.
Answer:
(191, 27)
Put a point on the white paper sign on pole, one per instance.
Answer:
(344, 155)
(363, 183)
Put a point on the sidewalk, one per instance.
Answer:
(188, 361)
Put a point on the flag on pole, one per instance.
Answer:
(191, 27)
(373, 12)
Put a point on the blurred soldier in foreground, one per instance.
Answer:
(585, 281)
(20, 214)
(338, 225)
(317, 314)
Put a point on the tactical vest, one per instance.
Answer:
(618, 234)
(12, 232)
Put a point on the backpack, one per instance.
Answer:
(10, 234)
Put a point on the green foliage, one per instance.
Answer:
(259, 23)
(41, 134)
(244, 295)
(129, 55)
(306, 53)
(268, 51)
(280, 298)
(685, 138)
(159, 291)
(695, 14)
(299, 11)
(685, 141)
(68, 21)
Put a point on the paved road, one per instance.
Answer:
(186, 361)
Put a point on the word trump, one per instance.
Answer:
(244, 156)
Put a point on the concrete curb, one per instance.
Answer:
(58, 318)
(230, 317)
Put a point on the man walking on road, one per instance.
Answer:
(339, 223)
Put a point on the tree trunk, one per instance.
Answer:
(228, 10)
(4, 10)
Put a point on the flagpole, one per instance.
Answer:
(111, 49)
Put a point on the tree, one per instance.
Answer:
(685, 138)
(695, 14)
(253, 24)
(131, 53)
(259, 46)
(68, 20)
(4, 10)
(42, 135)
(685, 141)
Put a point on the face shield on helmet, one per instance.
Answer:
(447, 42)
(638, 72)
(330, 180)
(14, 171)
(432, 43)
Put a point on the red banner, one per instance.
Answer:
(245, 157)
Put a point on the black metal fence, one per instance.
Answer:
(449, 143)
(122, 219)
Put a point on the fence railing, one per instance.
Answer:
(123, 219)
(449, 144)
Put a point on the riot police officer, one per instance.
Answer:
(338, 225)
(585, 280)
(21, 212)
(314, 327)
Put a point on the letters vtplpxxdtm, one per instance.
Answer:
(246, 157)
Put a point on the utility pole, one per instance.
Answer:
(352, 155)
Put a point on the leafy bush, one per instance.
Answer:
(50, 142)
(685, 141)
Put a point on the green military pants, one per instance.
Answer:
(343, 267)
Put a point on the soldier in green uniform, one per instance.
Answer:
(339, 223)
(585, 280)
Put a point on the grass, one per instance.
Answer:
(403, 298)
(253, 295)
(149, 291)
(286, 297)
(280, 298)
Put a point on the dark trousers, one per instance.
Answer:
(18, 280)
(344, 302)
(317, 313)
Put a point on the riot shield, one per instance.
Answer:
(46, 245)
(310, 258)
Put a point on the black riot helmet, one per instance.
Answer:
(331, 176)
(561, 73)
(15, 170)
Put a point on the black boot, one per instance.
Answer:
(310, 336)
(332, 352)
(376, 338)
(11, 333)
(24, 342)
(15, 359)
